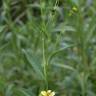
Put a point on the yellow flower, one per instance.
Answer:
(47, 93)
(74, 9)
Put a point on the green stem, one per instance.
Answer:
(45, 64)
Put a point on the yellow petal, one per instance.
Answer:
(43, 93)
(49, 91)
(52, 94)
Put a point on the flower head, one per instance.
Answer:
(75, 9)
(47, 93)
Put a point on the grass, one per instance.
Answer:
(47, 44)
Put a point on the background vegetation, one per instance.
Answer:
(48, 44)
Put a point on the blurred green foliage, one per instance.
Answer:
(46, 44)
